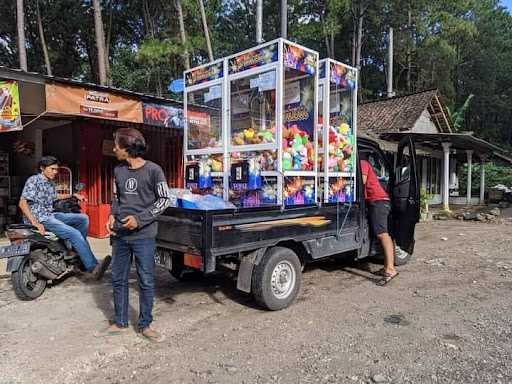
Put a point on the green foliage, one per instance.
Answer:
(494, 174)
(424, 199)
(462, 47)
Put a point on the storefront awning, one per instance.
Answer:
(459, 141)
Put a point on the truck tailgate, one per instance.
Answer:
(181, 230)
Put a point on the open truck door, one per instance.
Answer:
(405, 196)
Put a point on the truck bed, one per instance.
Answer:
(215, 233)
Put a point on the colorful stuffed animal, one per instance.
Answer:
(216, 165)
(238, 138)
(287, 161)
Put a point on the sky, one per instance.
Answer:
(508, 4)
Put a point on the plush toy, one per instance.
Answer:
(213, 142)
(304, 158)
(296, 161)
(309, 194)
(216, 165)
(344, 128)
(238, 139)
(249, 134)
(297, 143)
(266, 136)
(268, 194)
(287, 161)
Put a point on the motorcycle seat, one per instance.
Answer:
(20, 226)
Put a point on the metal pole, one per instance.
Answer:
(284, 19)
(390, 64)
(259, 21)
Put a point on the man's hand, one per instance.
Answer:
(130, 222)
(110, 225)
(40, 228)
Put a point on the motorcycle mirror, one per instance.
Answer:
(79, 187)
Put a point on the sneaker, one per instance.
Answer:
(101, 268)
(151, 335)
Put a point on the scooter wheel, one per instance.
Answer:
(27, 286)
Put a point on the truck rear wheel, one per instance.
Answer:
(277, 279)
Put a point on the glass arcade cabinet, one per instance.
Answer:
(250, 126)
(204, 136)
(271, 119)
(336, 133)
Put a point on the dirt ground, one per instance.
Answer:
(445, 319)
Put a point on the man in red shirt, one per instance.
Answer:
(379, 208)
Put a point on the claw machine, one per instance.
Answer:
(337, 131)
(257, 137)
(204, 135)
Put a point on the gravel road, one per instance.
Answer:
(445, 319)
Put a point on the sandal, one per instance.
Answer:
(386, 278)
(380, 272)
(151, 335)
(112, 331)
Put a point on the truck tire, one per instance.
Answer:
(27, 286)
(177, 266)
(277, 279)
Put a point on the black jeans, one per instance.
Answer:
(143, 252)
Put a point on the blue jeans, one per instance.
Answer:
(143, 252)
(73, 227)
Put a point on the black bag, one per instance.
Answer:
(69, 205)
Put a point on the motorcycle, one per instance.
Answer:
(35, 260)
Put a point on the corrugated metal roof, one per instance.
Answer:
(18, 74)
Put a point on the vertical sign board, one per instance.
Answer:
(10, 114)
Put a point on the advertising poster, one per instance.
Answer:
(253, 59)
(163, 115)
(10, 115)
(204, 74)
(299, 59)
(65, 99)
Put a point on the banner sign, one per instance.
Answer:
(253, 59)
(10, 116)
(74, 100)
(204, 74)
(161, 115)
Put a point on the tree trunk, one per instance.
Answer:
(186, 57)
(43, 40)
(22, 43)
(359, 41)
(328, 46)
(205, 29)
(108, 42)
(354, 42)
(100, 42)
(333, 50)
(409, 52)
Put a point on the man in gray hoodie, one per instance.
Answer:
(141, 194)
